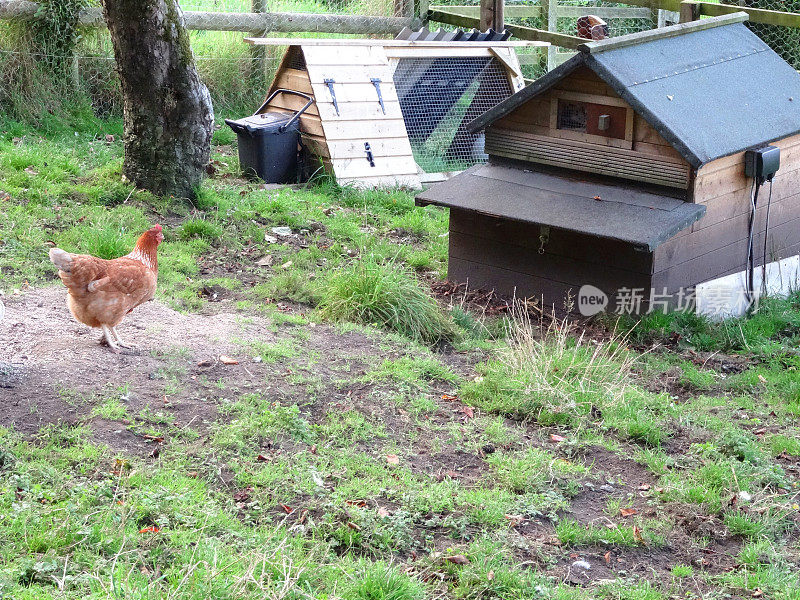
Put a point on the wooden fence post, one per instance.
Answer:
(492, 15)
(550, 15)
(258, 71)
(690, 11)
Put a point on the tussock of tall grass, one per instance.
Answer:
(387, 295)
(554, 374)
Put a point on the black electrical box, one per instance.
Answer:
(762, 163)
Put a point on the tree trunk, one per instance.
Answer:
(168, 115)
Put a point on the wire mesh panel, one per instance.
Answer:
(438, 98)
(784, 40)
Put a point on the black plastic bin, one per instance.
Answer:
(268, 142)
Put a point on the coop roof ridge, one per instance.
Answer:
(648, 35)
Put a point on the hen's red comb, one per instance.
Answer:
(157, 227)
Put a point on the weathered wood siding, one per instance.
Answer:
(716, 245)
(528, 134)
(338, 138)
(488, 252)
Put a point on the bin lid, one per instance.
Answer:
(263, 123)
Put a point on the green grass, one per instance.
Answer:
(403, 452)
(385, 295)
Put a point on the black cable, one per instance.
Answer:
(766, 232)
(750, 267)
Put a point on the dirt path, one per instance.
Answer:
(53, 369)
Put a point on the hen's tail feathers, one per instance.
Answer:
(61, 259)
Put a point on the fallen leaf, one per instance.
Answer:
(490, 575)
(265, 261)
(627, 512)
(392, 459)
(206, 363)
(353, 526)
(227, 360)
(383, 512)
(457, 559)
(449, 398)
(514, 520)
(557, 438)
(761, 378)
(242, 495)
(598, 198)
(287, 509)
(643, 488)
(155, 438)
(358, 503)
(757, 593)
(607, 558)
(34, 172)
(109, 138)
(468, 411)
(303, 516)
(192, 474)
(286, 265)
(151, 529)
(261, 458)
(760, 431)
(637, 535)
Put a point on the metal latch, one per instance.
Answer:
(544, 237)
(377, 83)
(329, 83)
(370, 158)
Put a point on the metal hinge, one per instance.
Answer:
(329, 83)
(377, 83)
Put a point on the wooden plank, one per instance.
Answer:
(754, 15)
(514, 11)
(353, 92)
(358, 129)
(731, 257)
(712, 237)
(509, 60)
(509, 283)
(639, 37)
(570, 154)
(348, 168)
(446, 52)
(337, 56)
(293, 79)
(521, 43)
(368, 110)
(310, 124)
(567, 244)
(291, 102)
(349, 74)
(379, 146)
(492, 15)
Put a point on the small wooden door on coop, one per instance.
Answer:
(355, 126)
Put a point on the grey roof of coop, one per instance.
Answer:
(570, 201)
(711, 89)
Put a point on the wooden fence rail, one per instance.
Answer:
(245, 22)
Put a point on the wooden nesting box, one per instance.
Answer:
(623, 169)
(364, 124)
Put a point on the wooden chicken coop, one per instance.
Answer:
(395, 112)
(625, 169)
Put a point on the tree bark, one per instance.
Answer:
(167, 109)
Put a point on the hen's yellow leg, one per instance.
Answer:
(118, 339)
(110, 339)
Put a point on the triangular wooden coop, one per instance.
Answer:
(395, 112)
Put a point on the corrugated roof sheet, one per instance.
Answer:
(623, 212)
(459, 35)
(710, 92)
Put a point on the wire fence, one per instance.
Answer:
(35, 79)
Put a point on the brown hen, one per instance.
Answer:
(102, 292)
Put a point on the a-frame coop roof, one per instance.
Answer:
(382, 107)
(711, 88)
